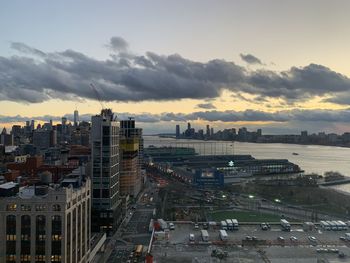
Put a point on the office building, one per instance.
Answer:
(76, 118)
(45, 223)
(106, 203)
(130, 158)
(5, 138)
(44, 138)
(177, 131)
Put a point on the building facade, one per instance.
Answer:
(106, 203)
(45, 224)
(131, 150)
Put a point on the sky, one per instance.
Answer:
(282, 66)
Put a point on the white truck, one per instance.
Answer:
(285, 225)
(235, 224)
(223, 225)
(343, 224)
(223, 235)
(229, 224)
(205, 235)
(333, 225)
(325, 225)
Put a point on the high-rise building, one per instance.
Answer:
(16, 131)
(130, 158)
(208, 131)
(45, 223)
(32, 125)
(64, 130)
(177, 131)
(5, 138)
(106, 203)
(44, 139)
(76, 118)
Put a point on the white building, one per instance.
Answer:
(45, 223)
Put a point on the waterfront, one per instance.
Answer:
(311, 158)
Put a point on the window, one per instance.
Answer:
(26, 208)
(25, 238)
(40, 258)
(25, 258)
(11, 258)
(56, 236)
(96, 193)
(40, 237)
(56, 258)
(56, 207)
(10, 238)
(40, 207)
(105, 193)
(11, 207)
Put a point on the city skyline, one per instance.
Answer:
(261, 67)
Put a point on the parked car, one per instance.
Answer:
(171, 226)
(312, 238)
(293, 239)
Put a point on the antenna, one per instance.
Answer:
(98, 97)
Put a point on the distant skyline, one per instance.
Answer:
(282, 66)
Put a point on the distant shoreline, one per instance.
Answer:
(211, 140)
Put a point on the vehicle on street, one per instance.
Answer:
(264, 226)
(285, 225)
(196, 226)
(223, 235)
(280, 239)
(171, 226)
(312, 239)
(223, 225)
(205, 235)
(293, 239)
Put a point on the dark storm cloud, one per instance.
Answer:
(250, 59)
(309, 116)
(206, 106)
(298, 83)
(342, 98)
(118, 44)
(67, 75)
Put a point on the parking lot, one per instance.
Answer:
(273, 236)
(302, 248)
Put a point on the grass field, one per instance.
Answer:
(243, 216)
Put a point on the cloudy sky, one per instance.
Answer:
(282, 66)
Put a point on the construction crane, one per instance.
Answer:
(98, 97)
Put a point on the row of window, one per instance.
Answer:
(54, 258)
(40, 207)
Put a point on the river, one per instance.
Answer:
(311, 158)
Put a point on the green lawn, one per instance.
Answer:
(243, 216)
